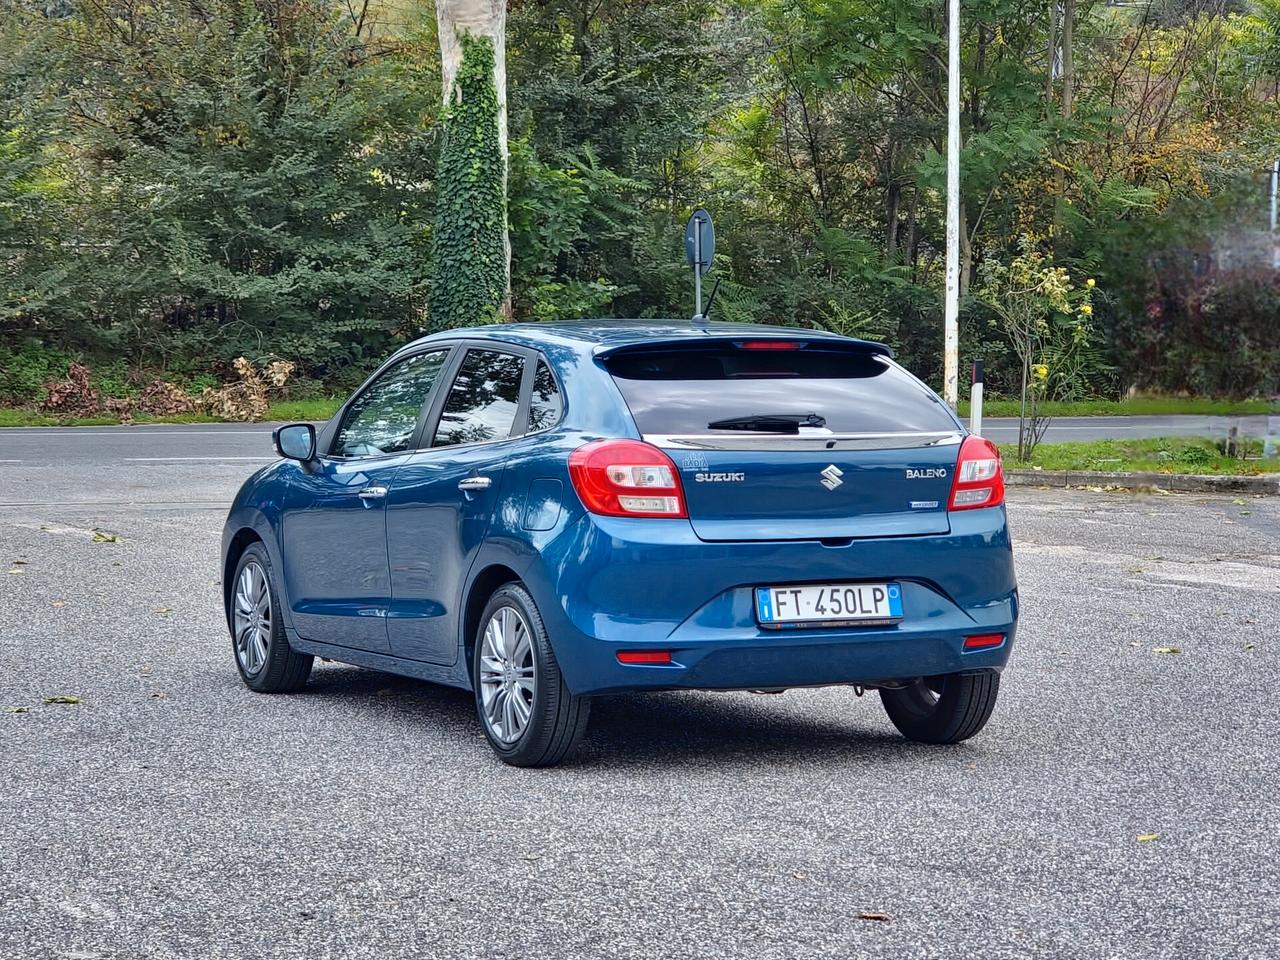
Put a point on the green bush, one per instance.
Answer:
(23, 373)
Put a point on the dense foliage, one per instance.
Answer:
(184, 182)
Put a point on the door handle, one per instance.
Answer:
(475, 483)
(372, 493)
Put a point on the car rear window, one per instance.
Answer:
(678, 391)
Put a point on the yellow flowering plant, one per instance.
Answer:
(1047, 318)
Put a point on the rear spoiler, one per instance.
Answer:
(752, 341)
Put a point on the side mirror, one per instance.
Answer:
(295, 441)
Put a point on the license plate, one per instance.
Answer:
(828, 604)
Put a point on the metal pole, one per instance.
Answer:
(951, 328)
(975, 400)
(697, 268)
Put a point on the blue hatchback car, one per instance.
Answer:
(545, 512)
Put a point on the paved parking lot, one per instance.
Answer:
(172, 813)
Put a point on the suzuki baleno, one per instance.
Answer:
(541, 513)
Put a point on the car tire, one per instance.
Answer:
(943, 709)
(266, 662)
(526, 711)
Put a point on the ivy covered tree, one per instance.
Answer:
(469, 251)
(472, 33)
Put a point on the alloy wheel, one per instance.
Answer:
(252, 618)
(507, 676)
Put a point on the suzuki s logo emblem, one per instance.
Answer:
(831, 477)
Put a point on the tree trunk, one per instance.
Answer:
(913, 254)
(891, 231)
(1052, 51)
(1068, 104)
(479, 18)
(1068, 58)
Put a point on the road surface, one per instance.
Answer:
(137, 447)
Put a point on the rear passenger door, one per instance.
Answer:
(442, 501)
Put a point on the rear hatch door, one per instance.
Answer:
(811, 440)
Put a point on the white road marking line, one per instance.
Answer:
(126, 432)
(203, 459)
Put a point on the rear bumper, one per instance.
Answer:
(608, 585)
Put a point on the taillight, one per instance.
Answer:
(626, 478)
(979, 479)
(769, 345)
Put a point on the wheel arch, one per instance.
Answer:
(235, 550)
(483, 586)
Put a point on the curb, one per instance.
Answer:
(1183, 483)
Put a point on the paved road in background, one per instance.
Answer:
(175, 814)
(231, 443)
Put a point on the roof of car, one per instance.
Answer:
(611, 334)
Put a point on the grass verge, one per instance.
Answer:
(1197, 455)
(1136, 407)
(318, 410)
(313, 410)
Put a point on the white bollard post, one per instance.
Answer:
(975, 400)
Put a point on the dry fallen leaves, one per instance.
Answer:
(18, 710)
(163, 610)
(1147, 837)
(62, 698)
(1166, 649)
(874, 915)
(102, 536)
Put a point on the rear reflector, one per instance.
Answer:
(644, 656)
(981, 641)
(769, 345)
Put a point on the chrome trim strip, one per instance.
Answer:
(742, 439)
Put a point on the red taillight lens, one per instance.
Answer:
(655, 657)
(769, 345)
(983, 641)
(979, 479)
(626, 478)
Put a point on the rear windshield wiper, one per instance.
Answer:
(770, 422)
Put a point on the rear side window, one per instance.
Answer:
(544, 402)
(483, 399)
(684, 391)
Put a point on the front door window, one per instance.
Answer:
(384, 419)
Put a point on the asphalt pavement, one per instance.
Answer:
(172, 813)
(247, 443)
